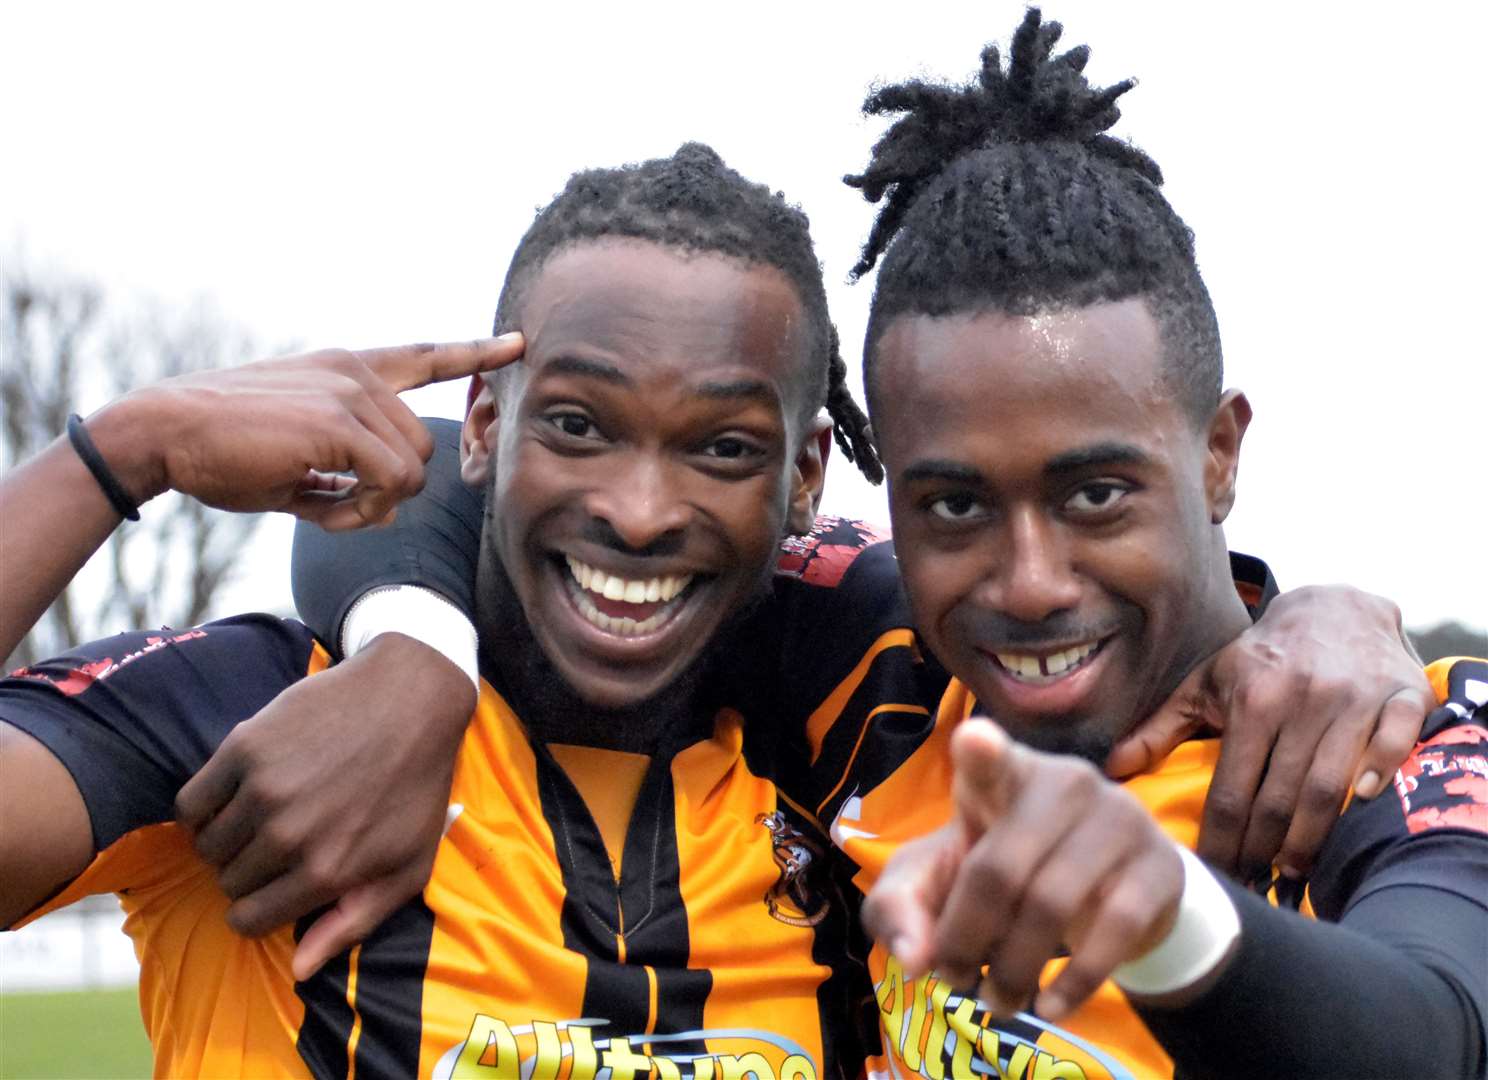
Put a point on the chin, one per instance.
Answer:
(1086, 739)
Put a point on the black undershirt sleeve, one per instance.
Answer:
(1398, 988)
(434, 542)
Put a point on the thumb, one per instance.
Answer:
(985, 761)
(348, 922)
(1188, 708)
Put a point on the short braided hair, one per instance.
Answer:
(1008, 195)
(693, 202)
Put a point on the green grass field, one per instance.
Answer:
(72, 1036)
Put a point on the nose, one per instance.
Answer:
(1035, 577)
(643, 505)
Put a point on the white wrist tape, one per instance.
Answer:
(419, 613)
(1206, 927)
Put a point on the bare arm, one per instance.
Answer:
(56, 516)
(45, 836)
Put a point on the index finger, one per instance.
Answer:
(407, 367)
(984, 759)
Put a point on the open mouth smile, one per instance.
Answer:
(625, 607)
(1042, 669)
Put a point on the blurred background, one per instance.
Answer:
(192, 185)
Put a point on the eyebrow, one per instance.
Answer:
(594, 369)
(1096, 456)
(1086, 457)
(938, 469)
(756, 389)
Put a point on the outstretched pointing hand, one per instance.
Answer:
(1041, 853)
(283, 434)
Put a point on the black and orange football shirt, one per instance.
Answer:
(723, 950)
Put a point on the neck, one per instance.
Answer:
(1225, 619)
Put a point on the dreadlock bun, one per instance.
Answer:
(1008, 194)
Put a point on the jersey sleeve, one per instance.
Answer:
(434, 542)
(133, 717)
(1430, 827)
(1403, 974)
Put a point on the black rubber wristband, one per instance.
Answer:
(82, 442)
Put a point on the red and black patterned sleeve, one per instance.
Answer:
(133, 717)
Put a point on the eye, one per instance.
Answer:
(573, 424)
(729, 448)
(1096, 497)
(960, 507)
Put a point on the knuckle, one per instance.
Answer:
(1324, 792)
(1125, 917)
(985, 870)
(1226, 809)
(322, 872)
(1049, 905)
(1272, 813)
(281, 837)
(263, 793)
(1081, 978)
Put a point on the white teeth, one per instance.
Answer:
(1027, 666)
(612, 587)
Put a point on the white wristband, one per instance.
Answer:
(419, 613)
(1206, 926)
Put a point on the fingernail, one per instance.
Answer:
(1052, 1006)
(900, 946)
(1291, 873)
(508, 337)
(1368, 785)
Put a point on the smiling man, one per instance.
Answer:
(1045, 381)
(614, 831)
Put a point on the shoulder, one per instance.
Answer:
(825, 554)
(241, 651)
(1444, 782)
(1430, 826)
(133, 716)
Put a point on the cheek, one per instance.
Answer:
(938, 585)
(753, 514)
(1148, 569)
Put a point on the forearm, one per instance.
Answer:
(1398, 989)
(56, 516)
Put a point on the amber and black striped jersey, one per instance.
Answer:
(1429, 837)
(714, 943)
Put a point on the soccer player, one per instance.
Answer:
(1045, 383)
(616, 829)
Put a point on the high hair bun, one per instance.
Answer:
(1039, 97)
(700, 155)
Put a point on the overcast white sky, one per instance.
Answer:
(358, 175)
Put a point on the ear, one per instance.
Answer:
(1222, 462)
(478, 436)
(808, 475)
